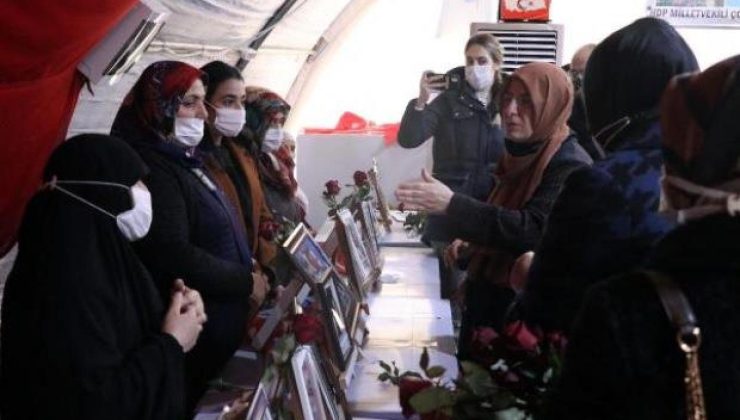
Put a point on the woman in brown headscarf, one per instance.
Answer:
(623, 360)
(540, 154)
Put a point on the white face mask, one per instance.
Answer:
(273, 139)
(134, 224)
(479, 77)
(189, 131)
(229, 122)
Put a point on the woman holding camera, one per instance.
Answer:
(464, 121)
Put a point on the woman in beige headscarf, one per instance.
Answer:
(540, 154)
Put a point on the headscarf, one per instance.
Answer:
(149, 109)
(262, 106)
(95, 157)
(628, 71)
(519, 176)
(701, 141)
(70, 252)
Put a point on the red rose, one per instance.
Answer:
(558, 341)
(360, 178)
(484, 336)
(407, 388)
(401, 206)
(482, 349)
(307, 328)
(268, 229)
(332, 188)
(521, 336)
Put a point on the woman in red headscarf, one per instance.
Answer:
(623, 359)
(540, 154)
(196, 233)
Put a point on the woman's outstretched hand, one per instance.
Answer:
(427, 194)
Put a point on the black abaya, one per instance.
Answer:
(81, 319)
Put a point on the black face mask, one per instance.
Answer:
(608, 134)
(521, 149)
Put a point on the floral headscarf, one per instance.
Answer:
(262, 106)
(148, 111)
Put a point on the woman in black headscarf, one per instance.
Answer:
(623, 360)
(196, 234)
(84, 334)
(605, 220)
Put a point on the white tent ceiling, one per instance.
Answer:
(198, 31)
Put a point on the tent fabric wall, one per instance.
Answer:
(41, 43)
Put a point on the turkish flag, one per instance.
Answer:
(524, 10)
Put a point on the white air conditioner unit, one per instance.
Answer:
(123, 45)
(525, 42)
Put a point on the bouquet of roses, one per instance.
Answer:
(361, 190)
(508, 377)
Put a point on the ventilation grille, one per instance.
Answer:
(525, 42)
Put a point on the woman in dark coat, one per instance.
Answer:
(464, 121)
(623, 360)
(540, 154)
(84, 332)
(196, 234)
(604, 221)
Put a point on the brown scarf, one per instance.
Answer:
(698, 119)
(519, 176)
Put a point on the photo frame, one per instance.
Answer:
(307, 255)
(259, 407)
(385, 212)
(338, 306)
(316, 399)
(349, 304)
(369, 227)
(360, 260)
(297, 289)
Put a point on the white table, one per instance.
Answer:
(398, 237)
(405, 316)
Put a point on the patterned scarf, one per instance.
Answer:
(262, 108)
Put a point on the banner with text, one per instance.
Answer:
(696, 12)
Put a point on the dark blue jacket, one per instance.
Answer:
(196, 236)
(603, 223)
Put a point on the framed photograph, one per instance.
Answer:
(316, 399)
(348, 303)
(259, 407)
(369, 225)
(298, 290)
(308, 256)
(385, 212)
(372, 219)
(337, 306)
(361, 264)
